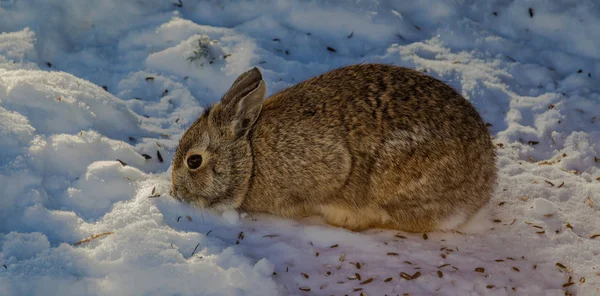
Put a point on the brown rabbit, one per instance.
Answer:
(362, 146)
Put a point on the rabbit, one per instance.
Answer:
(363, 146)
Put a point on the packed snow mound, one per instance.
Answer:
(94, 97)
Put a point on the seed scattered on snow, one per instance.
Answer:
(551, 184)
(189, 218)
(516, 269)
(159, 156)
(416, 275)
(400, 236)
(582, 280)
(149, 78)
(490, 286)
(334, 246)
(405, 276)
(273, 235)
(342, 257)
(304, 275)
(331, 49)
(480, 269)
(497, 221)
(241, 235)
(499, 260)
(366, 281)
(194, 251)
(407, 262)
(357, 289)
(595, 236)
(561, 265)
(392, 254)
(93, 237)
(568, 284)
(146, 156)
(540, 232)
(357, 276)
(425, 237)
(305, 289)
(358, 266)
(440, 273)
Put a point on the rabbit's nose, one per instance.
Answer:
(173, 192)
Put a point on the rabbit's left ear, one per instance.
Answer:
(243, 102)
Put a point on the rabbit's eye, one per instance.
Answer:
(194, 161)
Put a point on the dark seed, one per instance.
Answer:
(388, 280)
(480, 269)
(193, 252)
(49, 64)
(105, 87)
(531, 12)
(149, 78)
(160, 159)
(440, 274)
(146, 156)
(331, 49)
(351, 34)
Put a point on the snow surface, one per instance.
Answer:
(530, 67)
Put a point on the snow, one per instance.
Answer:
(92, 92)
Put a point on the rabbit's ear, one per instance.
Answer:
(242, 83)
(243, 108)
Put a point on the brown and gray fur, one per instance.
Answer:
(363, 146)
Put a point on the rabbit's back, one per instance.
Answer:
(372, 145)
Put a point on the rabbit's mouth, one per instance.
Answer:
(200, 201)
